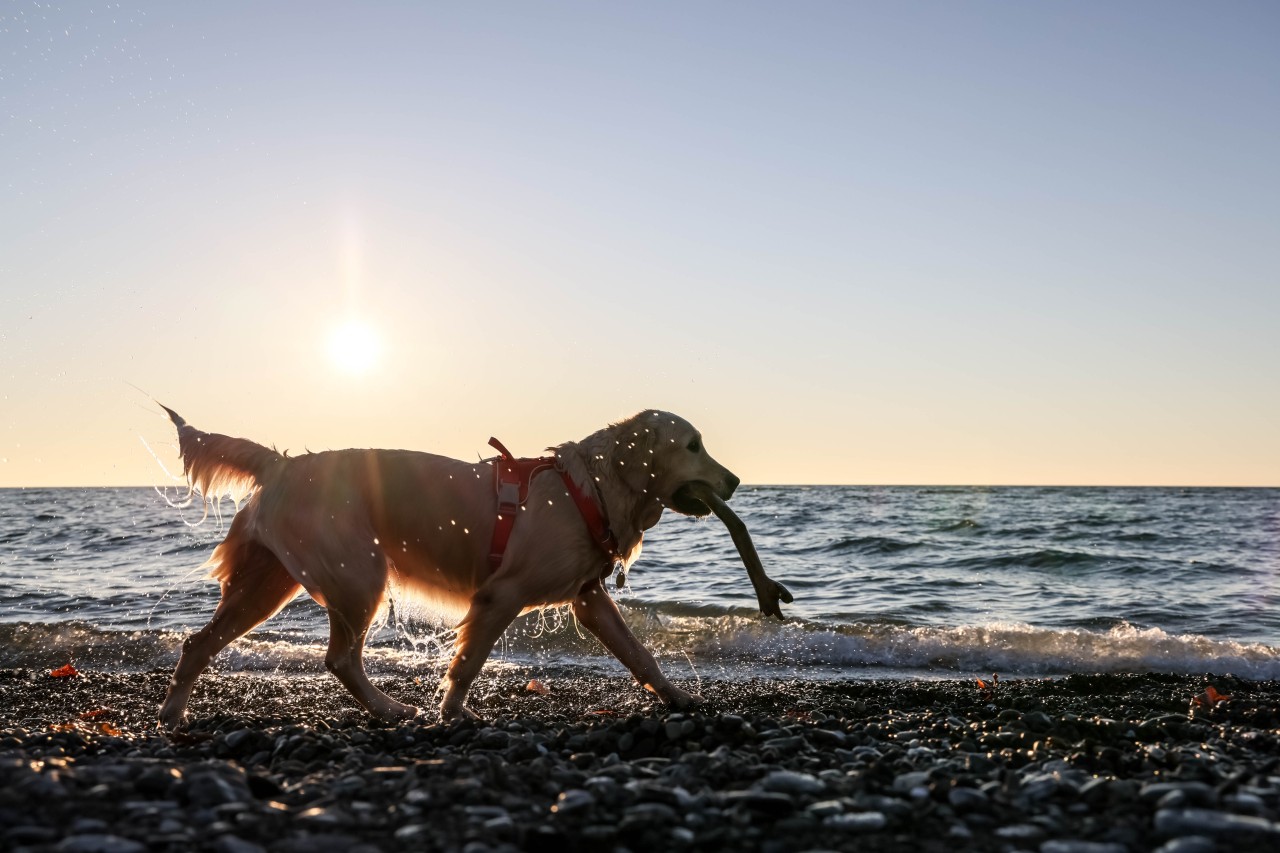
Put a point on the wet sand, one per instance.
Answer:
(1085, 764)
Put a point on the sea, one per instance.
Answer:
(903, 582)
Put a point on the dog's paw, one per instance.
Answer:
(450, 713)
(395, 712)
(168, 723)
(769, 592)
(681, 699)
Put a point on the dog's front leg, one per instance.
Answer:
(595, 609)
(492, 609)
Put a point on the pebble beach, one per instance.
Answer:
(1080, 764)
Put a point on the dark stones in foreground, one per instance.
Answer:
(1099, 764)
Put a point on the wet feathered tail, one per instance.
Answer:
(217, 465)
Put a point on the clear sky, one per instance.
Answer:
(955, 242)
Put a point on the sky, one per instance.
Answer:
(863, 243)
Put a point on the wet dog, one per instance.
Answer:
(342, 524)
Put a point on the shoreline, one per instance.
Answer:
(1080, 764)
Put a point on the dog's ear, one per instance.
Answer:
(633, 458)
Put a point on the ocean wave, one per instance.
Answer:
(1012, 648)
(731, 644)
(1138, 536)
(870, 545)
(962, 524)
(1038, 558)
(50, 645)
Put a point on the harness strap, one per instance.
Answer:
(589, 509)
(512, 476)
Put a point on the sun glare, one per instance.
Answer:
(354, 347)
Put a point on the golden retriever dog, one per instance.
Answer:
(343, 524)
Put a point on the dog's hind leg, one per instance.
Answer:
(492, 609)
(254, 587)
(351, 610)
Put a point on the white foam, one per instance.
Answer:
(1005, 647)
(728, 645)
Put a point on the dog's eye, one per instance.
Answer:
(694, 446)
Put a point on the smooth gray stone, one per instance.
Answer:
(215, 789)
(235, 844)
(239, 738)
(320, 818)
(857, 822)
(27, 834)
(967, 799)
(791, 782)
(904, 782)
(1020, 832)
(652, 813)
(825, 808)
(761, 801)
(1066, 845)
(1208, 822)
(417, 831)
(1189, 844)
(1200, 792)
(1038, 721)
(484, 813)
(99, 843)
(573, 800)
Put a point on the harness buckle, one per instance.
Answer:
(508, 497)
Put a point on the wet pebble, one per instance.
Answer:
(791, 782)
(1214, 823)
(857, 822)
(1078, 765)
(1075, 846)
(99, 843)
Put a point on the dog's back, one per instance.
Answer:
(428, 517)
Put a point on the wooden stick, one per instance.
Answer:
(768, 591)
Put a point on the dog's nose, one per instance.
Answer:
(732, 482)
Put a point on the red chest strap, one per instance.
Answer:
(593, 515)
(512, 476)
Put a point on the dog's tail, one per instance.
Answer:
(217, 465)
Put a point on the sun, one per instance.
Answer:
(354, 347)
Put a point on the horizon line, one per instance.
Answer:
(809, 486)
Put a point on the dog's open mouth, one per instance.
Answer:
(683, 501)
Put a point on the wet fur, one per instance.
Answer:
(344, 524)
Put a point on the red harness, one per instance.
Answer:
(511, 479)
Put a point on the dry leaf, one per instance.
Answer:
(1209, 698)
(67, 671)
(536, 686)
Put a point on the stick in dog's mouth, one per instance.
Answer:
(768, 591)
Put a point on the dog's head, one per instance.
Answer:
(666, 454)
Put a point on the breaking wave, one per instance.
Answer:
(723, 644)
